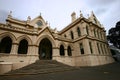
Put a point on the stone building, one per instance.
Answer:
(81, 43)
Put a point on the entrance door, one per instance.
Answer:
(45, 49)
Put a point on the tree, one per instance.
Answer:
(114, 35)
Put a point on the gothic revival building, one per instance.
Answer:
(81, 43)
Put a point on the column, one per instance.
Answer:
(55, 53)
(95, 48)
(14, 48)
(86, 47)
(66, 53)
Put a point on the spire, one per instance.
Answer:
(10, 14)
(40, 13)
(28, 19)
(81, 15)
(73, 16)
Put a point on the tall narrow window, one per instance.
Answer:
(98, 48)
(98, 34)
(81, 48)
(78, 31)
(69, 51)
(72, 36)
(62, 52)
(102, 48)
(87, 30)
(94, 32)
(90, 44)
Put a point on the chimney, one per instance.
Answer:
(73, 16)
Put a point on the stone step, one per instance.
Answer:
(42, 66)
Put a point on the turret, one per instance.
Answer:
(73, 16)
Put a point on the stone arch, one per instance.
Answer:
(62, 50)
(48, 37)
(70, 46)
(8, 34)
(23, 47)
(62, 43)
(45, 49)
(26, 38)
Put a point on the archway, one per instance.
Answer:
(5, 45)
(62, 52)
(45, 49)
(69, 51)
(23, 47)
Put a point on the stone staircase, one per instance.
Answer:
(42, 67)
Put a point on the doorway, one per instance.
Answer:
(45, 49)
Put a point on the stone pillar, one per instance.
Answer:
(55, 53)
(14, 48)
(32, 50)
(66, 54)
(86, 46)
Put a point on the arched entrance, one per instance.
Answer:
(45, 49)
(5, 45)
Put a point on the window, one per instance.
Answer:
(90, 44)
(39, 23)
(78, 31)
(23, 47)
(98, 48)
(69, 51)
(81, 48)
(6, 45)
(87, 30)
(95, 21)
(65, 35)
(94, 32)
(102, 48)
(98, 34)
(72, 36)
(62, 52)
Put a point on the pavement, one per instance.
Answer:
(104, 72)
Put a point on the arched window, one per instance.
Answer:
(69, 51)
(81, 48)
(72, 36)
(78, 31)
(5, 45)
(94, 32)
(62, 52)
(90, 44)
(98, 48)
(23, 47)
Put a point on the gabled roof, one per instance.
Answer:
(72, 24)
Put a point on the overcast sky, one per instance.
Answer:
(58, 12)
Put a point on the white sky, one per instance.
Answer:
(58, 12)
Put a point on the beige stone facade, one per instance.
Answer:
(81, 43)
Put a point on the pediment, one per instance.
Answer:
(46, 31)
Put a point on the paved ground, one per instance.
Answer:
(106, 72)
